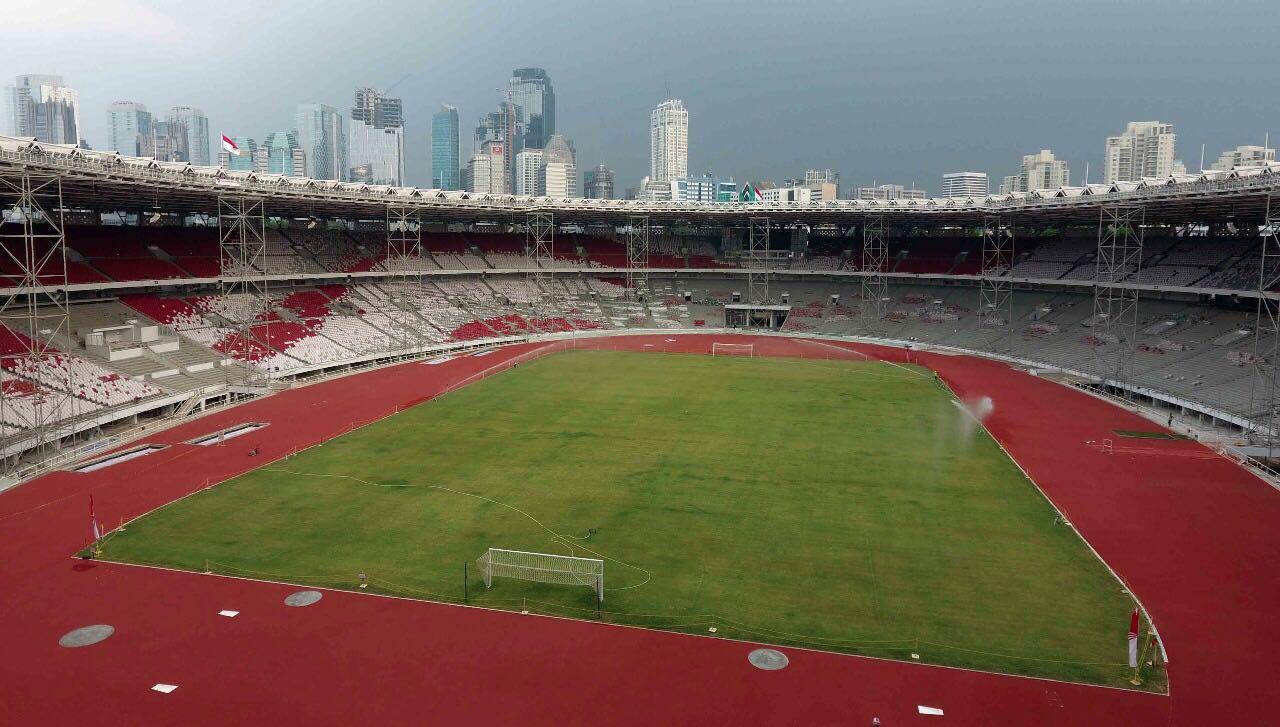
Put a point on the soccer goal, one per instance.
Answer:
(733, 349)
(543, 568)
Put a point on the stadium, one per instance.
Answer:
(295, 448)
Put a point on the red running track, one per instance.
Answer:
(1194, 537)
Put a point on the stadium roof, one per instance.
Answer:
(110, 181)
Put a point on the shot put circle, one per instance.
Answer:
(86, 636)
(768, 659)
(302, 598)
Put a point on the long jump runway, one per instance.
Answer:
(1195, 538)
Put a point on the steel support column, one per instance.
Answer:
(875, 263)
(638, 258)
(1265, 395)
(404, 255)
(995, 289)
(759, 261)
(539, 246)
(36, 395)
(1115, 295)
(242, 237)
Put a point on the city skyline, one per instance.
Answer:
(866, 129)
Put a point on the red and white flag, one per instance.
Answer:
(229, 146)
(94, 526)
(1133, 640)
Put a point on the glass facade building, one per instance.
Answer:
(444, 149)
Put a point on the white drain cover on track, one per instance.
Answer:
(164, 688)
(86, 636)
(928, 710)
(768, 659)
(302, 598)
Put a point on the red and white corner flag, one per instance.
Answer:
(1133, 640)
(94, 526)
(229, 146)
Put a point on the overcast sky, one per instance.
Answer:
(891, 91)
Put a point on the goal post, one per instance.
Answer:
(565, 570)
(733, 349)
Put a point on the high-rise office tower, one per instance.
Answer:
(528, 171)
(322, 136)
(248, 159)
(668, 142)
(598, 183)
(170, 140)
(42, 106)
(486, 172)
(444, 148)
(129, 129)
(1145, 149)
(965, 184)
(535, 107)
(195, 126)
(376, 138)
(559, 177)
(284, 154)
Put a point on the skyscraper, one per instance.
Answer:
(965, 184)
(322, 136)
(528, 171)
(170, 140)
(245, 162)
(668, 142)
(43, 107)
(1039, 171)
(444, 148)
(486, 172)
(535, 106)
(559, 177)
(598, 183)
(497, 127)
(195, 126)
(1145, 149)
(129, 129)
(376, 138)
(284, 155)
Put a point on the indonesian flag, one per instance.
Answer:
(94, 526)
(229, 146)
(1133, 640)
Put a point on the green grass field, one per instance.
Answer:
(846, 506)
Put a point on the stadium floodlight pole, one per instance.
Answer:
(539, 246)
(35, 311)
(404, 254)
(1115, 290)
(1264, 393)
(875, 263)
(242, 239)
(638, 257)
(995, 289)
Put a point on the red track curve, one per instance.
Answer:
(1195, 537)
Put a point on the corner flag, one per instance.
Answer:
(94, 527)
(229, 146)
(1133, 640)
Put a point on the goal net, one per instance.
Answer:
(543, 568)
(733, 349)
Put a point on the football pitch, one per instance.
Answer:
(838, 505)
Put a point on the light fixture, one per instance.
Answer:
(311, 224)
(155, 217)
